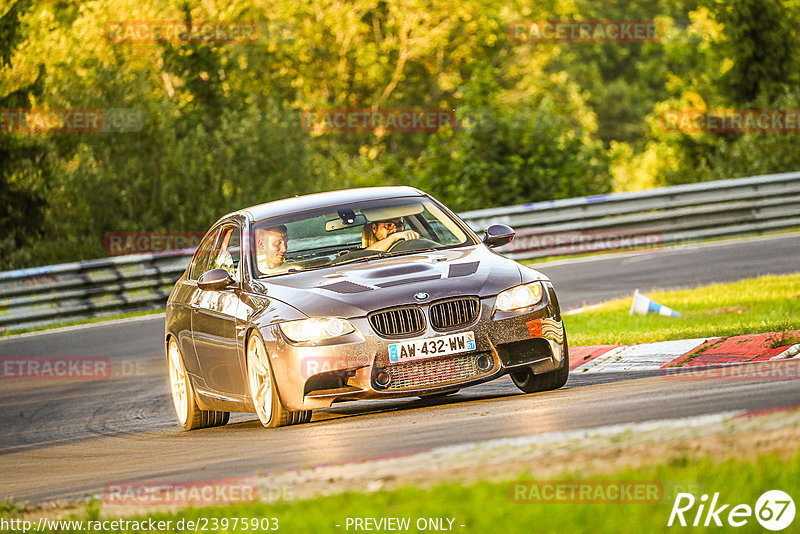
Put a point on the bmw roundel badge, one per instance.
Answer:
(421, 296)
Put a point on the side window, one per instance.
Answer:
(201, 256)
(226, 253)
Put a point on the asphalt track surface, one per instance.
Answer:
(66, 440)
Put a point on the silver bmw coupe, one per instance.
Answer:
(289, 306)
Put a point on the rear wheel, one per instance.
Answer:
(528, 382)
(190, 416)
(268, 405)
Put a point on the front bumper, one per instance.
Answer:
(314, 376)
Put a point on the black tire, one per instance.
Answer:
(528, 382)
(214, 418)
(189, 414)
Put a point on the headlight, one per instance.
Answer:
(523, 296)
(316, 328)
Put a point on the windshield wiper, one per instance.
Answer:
(380, 255)
(354, 260)
(403, 252)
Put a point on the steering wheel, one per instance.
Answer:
(412, 244)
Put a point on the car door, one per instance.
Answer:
(214, 318)
(184, 297)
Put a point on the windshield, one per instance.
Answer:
(348, 233)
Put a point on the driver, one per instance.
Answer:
(271, 249)
(381, 235)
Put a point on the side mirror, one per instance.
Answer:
(215, 280)
(498, 235)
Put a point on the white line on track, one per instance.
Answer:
(645, 357)
(76, 327)
(789, 354)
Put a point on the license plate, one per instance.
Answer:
(421, 349)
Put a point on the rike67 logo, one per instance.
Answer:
(774, 510)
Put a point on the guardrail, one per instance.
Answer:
(88, 289)
(667, 215)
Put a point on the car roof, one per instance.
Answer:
(331, 198)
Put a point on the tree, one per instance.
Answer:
(508, 155)
(23, 159)
(761, 42)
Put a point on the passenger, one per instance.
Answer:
(381, 235)
(224, 260)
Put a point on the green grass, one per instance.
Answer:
(766, 304)
(487, 507)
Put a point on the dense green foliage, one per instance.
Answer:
(219, 123)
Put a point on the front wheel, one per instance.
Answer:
(268, 405)
(528, 382)
(190, 416)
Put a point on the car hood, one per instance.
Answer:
(354, 290)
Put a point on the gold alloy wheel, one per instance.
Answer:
(190, 416)
(177, 382)
(260, 378)
(265, 396)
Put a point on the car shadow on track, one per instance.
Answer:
(502, 388)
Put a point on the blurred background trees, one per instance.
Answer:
(219, 123)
